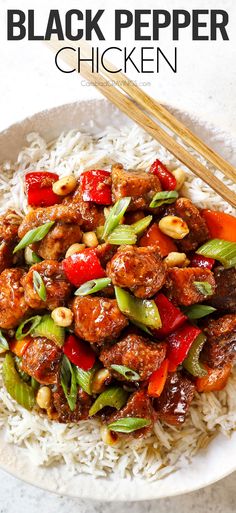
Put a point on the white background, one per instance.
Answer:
(205, 84)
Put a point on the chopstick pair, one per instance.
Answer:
(135, 103)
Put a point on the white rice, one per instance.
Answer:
(79, 447)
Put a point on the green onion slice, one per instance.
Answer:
(85, 378)
(122, 234)
(3, 342)
(16, 387)
(192, 363)
(198, 311)
(128, 424)
(141, 225)
(49, 329)
(128, 373)
(34, 235)
(30, 257)
(92, 286)
(115, 216)
(32, 322)
(115, 397)
(221, 250)
(163, 197)
(143, 311)
(39, 286)
(203, 287)
(69, 382)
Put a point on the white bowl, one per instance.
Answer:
(208, 466)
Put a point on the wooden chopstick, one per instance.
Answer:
(163, 115)
(129, 108)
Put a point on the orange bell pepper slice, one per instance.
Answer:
(215, 380)
(18, 347)
(154, 236)
(158, 379)
(220, 225)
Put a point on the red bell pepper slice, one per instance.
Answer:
(38, 185)
(171, 316)
(168, 181)
(202, 261)
(220, 225)
(79, 352)
(179, 343)
(96, 186)
(82, 267)
(157, 380)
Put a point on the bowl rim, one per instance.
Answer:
(10, 462)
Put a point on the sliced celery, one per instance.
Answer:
(221, 250)
(49, 329)
(143, 311)
(115, 397)
(16, 387)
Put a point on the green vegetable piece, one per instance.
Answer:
(69, 382)
(115, 215)
(32, 321)
(39, 286)
(18, 364)
(16, 387)
(143, 311)
(30, 257)
(34, 235)
(141, 225)
(122, 234)
(221, 250)
(115, 397)
(4, 346)
(163, 197)
(92, 286)
(203, 287)
(128, 424)
(192, 363)
(49, 329)
(198, 311)
(85, 378)
(128, 373)
(34, 384)
(99, 232)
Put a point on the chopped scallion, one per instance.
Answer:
(69, 382)
(32, 322)
(49, 329)
(115, 216)
(115, 397)
(163, 197)
(143, 311)
(126, 372)
(34, 235)
(4, 346)
(85, 378)
(203, 287)
(128, 424)
(122, 234)
(92, 286)
(39, 286)
(221, 250)
(141, 225)
(198, 311)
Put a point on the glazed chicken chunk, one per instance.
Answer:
(135, 352)
(58, 289)
(41, 360)
(97, 319)
(13, 307)
(139, 269)
(189, 285)
(139, 185)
